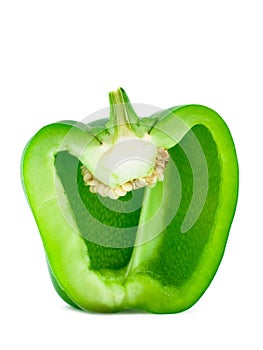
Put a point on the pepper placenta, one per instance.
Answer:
(133, 212)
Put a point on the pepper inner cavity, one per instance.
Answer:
(96, 186)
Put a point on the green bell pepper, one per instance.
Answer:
(133, 212)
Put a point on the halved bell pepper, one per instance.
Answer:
(133, 212)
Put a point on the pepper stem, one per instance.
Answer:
(123, 118)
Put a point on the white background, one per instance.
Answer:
(59, 60)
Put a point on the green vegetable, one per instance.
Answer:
(133, 212)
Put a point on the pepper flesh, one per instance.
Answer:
(160, 257)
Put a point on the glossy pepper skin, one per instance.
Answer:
(156, 248)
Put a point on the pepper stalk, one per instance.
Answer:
(126, 160)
